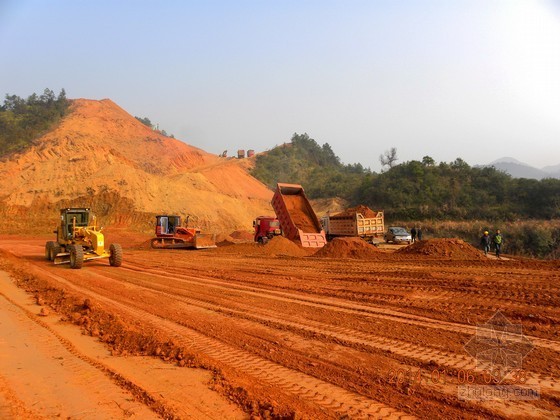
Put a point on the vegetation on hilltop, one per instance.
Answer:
(146, 121)
(417, 190)
(414, 190)
(24, 120)
(317, 168)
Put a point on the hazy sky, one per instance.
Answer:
(476, 79)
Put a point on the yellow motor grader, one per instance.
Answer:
(79, 239)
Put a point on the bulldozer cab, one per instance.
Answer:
(67, 216)
(167, 225)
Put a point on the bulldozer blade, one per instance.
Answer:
(205, 240)
(62, 258)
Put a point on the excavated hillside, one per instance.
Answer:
(102, 157)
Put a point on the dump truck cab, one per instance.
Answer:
(266, 227)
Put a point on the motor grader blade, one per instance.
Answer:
(205, 240)
(62, 258)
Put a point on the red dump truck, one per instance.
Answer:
(297, 219)
(266, 227)
(358, 221)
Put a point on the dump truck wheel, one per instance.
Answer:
(49, 250)
(76, 256)
(116, 255)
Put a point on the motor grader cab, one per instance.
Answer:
(171, 234)
(79, 239)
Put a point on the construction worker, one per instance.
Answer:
(485, 242)
(498, 240)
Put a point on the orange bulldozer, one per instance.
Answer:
(170, 234)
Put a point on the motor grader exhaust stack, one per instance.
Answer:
(79, 239)
(170, 234)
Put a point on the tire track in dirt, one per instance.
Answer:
(332, 398)
(83, 372)
(337, 334)
(203, 281)
(338, 305)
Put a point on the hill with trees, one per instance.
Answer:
(304, 161)
(413, 190)
(23, 120)
(100, 156)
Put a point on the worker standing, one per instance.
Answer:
(413, 234)
(498, 240)
(485, 242)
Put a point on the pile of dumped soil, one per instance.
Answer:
(242, 235)
(363, 210)
(348, 248)
(452, 248)
(276, 246)
(283, 246)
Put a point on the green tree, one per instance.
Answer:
(146, 121)
(22, 121)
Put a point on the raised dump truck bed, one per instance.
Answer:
(297, 218)
(360, 221)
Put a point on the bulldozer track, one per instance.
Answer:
(327, 336)
(343, 335)
(341, 306)
(329, 397)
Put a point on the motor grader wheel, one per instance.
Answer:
(56, 249)
(49, 250)
(115, 259)
(76, 256)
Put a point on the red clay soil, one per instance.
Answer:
(243, 235)
(299, 213)
(305, 338)
(283, 246)
(277, 246)
(361, 209)
(451, 248)
(348, 248)
(135, 172)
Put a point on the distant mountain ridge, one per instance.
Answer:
(518, 169)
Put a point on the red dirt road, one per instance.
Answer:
(287, 336)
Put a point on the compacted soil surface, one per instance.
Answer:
(247, 330)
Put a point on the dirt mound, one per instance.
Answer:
(363, 210)
(99, 150)
(242, 235)
(451, 248)
(283, 246)
(275, 247)
(348, 248)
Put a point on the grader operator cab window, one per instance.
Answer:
(82, 219)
